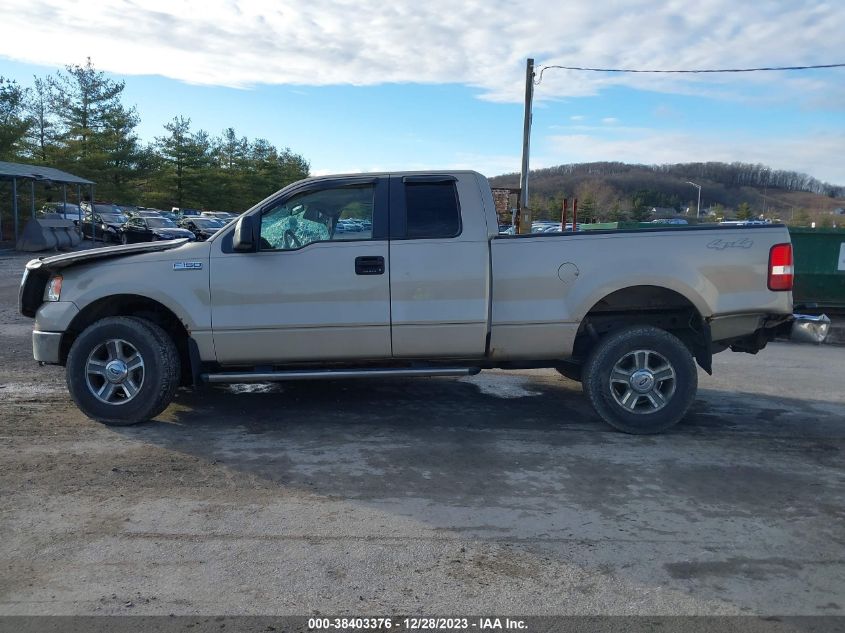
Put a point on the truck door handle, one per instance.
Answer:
(373, 265)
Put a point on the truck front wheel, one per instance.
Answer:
(122, 370)
(640, 379)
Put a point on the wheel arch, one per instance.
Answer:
(635, 284)
(649, 304)
(143, 307)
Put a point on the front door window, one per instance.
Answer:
(344, 213)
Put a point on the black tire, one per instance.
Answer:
(158, 374)
(618, 396)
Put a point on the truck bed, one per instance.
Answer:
(546, 283)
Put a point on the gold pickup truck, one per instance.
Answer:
(405, 274)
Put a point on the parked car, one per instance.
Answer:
(146, 213)
(743, 222)
(201, 227)
(545, 227)
(184, 212)
(219, 215)
(65, 210)
(151, 229)
(101, 207)
(509, 229)
(348, 226)
(103, 226)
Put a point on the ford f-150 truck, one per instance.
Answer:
(405, 274)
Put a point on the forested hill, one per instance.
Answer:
(613, 187)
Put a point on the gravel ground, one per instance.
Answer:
(501, 493)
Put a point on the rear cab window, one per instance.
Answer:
(424, 207)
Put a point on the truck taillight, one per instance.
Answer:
(780, 267)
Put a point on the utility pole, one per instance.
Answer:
(524, 211)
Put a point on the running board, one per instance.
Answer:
(333, 374)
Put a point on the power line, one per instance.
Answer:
(691, 72)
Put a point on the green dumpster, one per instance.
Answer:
(819, 268)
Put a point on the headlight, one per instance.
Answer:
(54, 288)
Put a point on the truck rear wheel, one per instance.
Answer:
(122, 370)
(640, 380)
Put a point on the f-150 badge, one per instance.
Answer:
(187, 265)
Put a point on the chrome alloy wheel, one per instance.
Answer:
(114, 372)
(642, 381)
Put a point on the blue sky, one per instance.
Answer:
(361, 86)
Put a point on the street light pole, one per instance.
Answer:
(697, 208)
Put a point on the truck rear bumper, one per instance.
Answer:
(46, 346)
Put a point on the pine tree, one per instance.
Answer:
(230, 154)
(263, 173)
(587, 209)
(42, 138)
(744, 212)
(98, 131)
(14, 122)
(616, 213)
(184, 156)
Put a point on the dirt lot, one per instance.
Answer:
(496, 494)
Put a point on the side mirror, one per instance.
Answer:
(243, 239)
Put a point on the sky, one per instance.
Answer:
(357, 85)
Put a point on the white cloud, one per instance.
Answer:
(478, 43)
(818, 155)
(664, 111)
(605, 129)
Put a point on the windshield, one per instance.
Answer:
(159, 223)
(115, 218)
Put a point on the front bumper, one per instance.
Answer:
(46, 346)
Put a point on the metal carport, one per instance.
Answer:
(20, 172)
